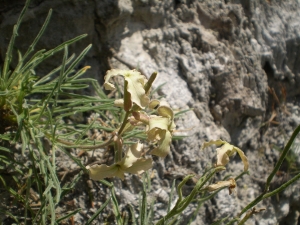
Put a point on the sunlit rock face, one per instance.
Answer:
(236, 64)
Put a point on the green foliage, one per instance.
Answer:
(28, 121)
(34, 111)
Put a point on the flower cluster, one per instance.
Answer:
(159, 128)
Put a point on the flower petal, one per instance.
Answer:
(165, 111)
(134, 86)
(99, 172)
(119, 103)
(163, 148)
(132, 155)
(140, 166)
(226, 151)
(217, 143)
(109, 74)
(141, 116)
(157, 127)
(243, 157)
(231, 184)
(153, 104)
(222, 156)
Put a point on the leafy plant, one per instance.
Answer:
(30, 175)
(35, 110)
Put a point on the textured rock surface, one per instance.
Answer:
(236, 63)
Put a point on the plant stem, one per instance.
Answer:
(90, 147)
(118, 146)
(251, 204)
(282, 157)
(124, 123)
(182, 204)
(269, 179)
(282, 187)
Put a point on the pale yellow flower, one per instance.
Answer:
(225, 151)
(161, 129)
(130, 163)
(134, 87)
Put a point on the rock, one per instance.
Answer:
(234, 62)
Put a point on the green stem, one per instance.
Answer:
(232, 221)
(8, 56)
(124, 123)
(251, 204)
(118, 139)
(276, 168)
(282, 157)
(118, 146)
(90, 147)
(182, 204)
(282, 187)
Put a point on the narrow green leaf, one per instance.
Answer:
(78, 59)
(116, 207)
(68, 215)
(171, 195)
(8, 56)
(132, 212)
(96, 214)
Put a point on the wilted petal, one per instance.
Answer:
(163, 148)
(225, 151)
(231, 150)
(207, 144)
(156, 104)
(99, 172)
(140, 166)
(222, 156)
(109, 86)
(243, 157)
(160, 130)
(132, 163)
(217, 186)
(110, 74)
(231, 184)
